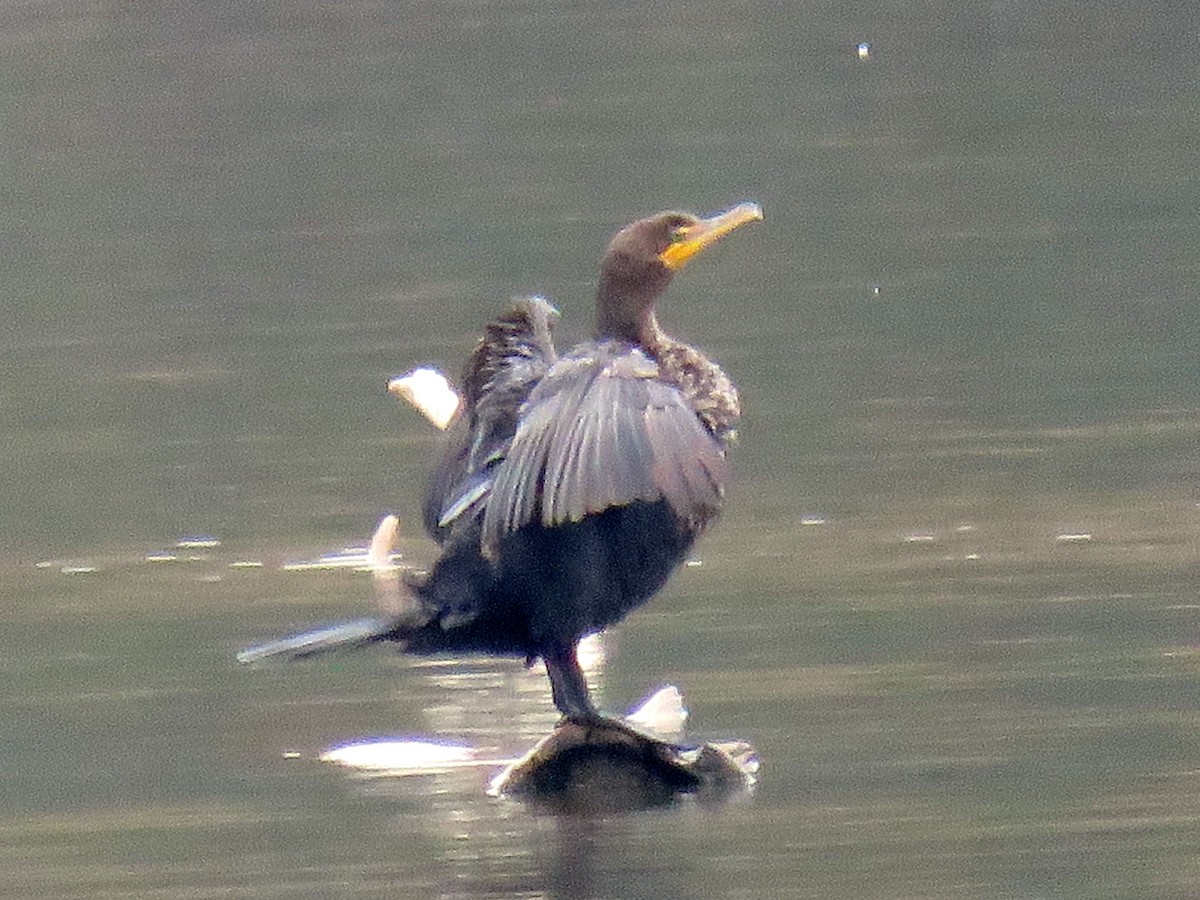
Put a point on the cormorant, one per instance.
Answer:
(573, 486)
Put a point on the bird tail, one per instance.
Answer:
(338, 636)
(455, 608)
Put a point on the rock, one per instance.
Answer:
(605, 766)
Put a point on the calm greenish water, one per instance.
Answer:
(954, 599)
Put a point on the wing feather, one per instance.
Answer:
(601, 430)
(514, 353)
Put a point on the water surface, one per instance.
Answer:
(953, 599)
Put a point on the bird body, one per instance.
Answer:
(572, 487)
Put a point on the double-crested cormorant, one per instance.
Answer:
(571, 486)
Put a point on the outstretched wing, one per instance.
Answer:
(513, 355)
(602, 430)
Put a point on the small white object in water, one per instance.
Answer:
(662, 712)
(1074, 537)
(197, 542)
(161, 557)
(78, 570)
(384, 565)
(399, 757)
(813, 520)
(863, 50)
(379, 552)
(921, 537)
(589, 651)
(429, 391)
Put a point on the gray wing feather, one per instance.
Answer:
(513, 355)
(600, 432)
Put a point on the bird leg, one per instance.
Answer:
(567, 683)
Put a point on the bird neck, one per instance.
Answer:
(628, 318)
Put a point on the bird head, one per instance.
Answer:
(642, 258)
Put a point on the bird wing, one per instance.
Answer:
(513, 355)
(602, 430)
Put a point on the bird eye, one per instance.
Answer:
(677, 234)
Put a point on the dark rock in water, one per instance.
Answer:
(606, 766)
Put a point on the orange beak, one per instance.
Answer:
(706, 232)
